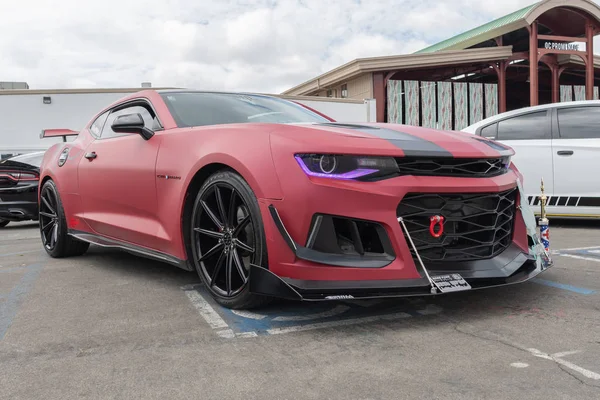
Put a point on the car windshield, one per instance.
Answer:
(198, 109)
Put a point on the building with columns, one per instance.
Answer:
(540, 54)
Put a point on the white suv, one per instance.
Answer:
(559, 142)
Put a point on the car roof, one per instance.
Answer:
(471, 128)
(225, 92)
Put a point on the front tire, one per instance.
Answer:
(227, 235)
(53, 225)
(3, 223)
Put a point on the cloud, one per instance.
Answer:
(262, 45)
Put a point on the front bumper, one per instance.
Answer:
(299, 271)
(19, 203)
(509, 267)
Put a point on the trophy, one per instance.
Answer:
(543, 221)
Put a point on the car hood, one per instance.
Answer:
(403, 140)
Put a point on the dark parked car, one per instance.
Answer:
(19, 179)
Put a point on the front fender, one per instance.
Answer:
(258, 171)
(183, 153)
(246, 149)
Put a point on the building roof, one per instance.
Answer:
(511, 22)
(481, 33)
(454, 51)
(363, 65)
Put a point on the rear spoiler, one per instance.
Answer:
(46, 133)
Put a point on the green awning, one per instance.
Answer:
(479, 34)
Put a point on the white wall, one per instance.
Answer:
(363, 111)
(23, 116)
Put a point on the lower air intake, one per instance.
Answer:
(345, 236)
(476, 225)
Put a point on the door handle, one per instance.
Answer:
(91, 156)
(565, 152)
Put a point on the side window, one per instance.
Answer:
(149, 119)
(489, 131)
(579, 122)
(524, 127)
(96, 127)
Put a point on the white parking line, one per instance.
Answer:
(566, 353)
(208, 313)
(246, 334)
(579, 257)
(222, 329)
(579, 248)
(556, 357)
(249, 314)
(519, 365)
(226, 333)
(333, 324)
(340, 309)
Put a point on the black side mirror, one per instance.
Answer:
(131, 123)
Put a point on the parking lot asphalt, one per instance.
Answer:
(112, 325)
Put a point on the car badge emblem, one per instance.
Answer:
(436, 220)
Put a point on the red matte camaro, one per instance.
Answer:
(267, 198)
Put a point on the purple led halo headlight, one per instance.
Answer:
(506, 162)
(347, 167)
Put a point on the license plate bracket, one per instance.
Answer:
(450, 283)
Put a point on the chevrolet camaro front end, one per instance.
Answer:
(403, 216)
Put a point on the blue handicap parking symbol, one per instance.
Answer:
(288, 316)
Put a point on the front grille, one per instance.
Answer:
(477, 225)
(458, 167)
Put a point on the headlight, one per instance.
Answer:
(347, 167)
(506, 162)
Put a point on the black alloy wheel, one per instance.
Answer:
(53, 225)
(227, 236)
(49, 219)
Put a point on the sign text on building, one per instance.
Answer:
(561, 46)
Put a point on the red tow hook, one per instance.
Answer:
(436, 220)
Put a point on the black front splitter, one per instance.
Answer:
(264, 282)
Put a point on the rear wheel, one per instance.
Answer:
(3, 223)
(227, 235)
(53, 226)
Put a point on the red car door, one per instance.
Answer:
(117, 181)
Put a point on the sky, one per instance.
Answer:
(252, 45)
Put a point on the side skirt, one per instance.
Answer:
(130, 248)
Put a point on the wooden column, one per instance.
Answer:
(589, 68)
(533, 64)
(379, 95)
(502, 86)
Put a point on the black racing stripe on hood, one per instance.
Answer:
(412, 146)
(499, 147)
